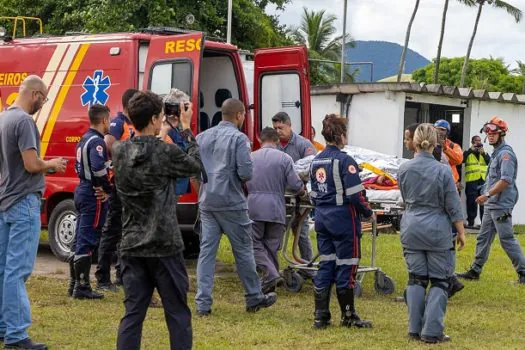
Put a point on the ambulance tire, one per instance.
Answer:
(293, 282)
(61, 228)
(396, 222)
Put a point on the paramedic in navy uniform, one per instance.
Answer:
(339, 203)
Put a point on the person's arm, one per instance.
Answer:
(293, 180)
(27, 145)
(116, 129)
(353, 188)
(179, 163)
(453, 152)
(97, 160)
(243, 158)
(508, 170)
(308, 149)
(453, 206)
(465, 156)
(486, 157)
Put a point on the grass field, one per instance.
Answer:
(489, 314)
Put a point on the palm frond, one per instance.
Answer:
(511, 10)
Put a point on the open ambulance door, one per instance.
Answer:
(174, 61)
(281, 84)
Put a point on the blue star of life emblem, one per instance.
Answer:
(95, 89)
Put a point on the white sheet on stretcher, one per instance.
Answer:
(384, 196)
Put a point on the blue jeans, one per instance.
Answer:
(19, 236)
(237, 226)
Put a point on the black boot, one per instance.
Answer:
(322, 314)
(469, 275)
(454, 286)
(82, 288)
(72, 277)
(349, 317)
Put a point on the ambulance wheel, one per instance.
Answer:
(384, 284)
(293, 282)
(61, 228)
(358, 289)
(396, 223)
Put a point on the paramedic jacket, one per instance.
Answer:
(337, 192)
(92, 162)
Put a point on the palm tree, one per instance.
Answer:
(521, 72)
(316, 31)
(511, 10)
(442, 34)
(407, 39)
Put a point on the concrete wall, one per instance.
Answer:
(376, 122)
(514, 115)
(321, 106)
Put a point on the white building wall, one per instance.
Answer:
(514, 115)
(321, 106)
(376, 122)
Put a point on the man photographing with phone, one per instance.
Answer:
(476, 161)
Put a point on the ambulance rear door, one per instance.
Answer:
(281, 83)
(173, 61)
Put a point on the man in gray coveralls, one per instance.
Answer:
(499, 198)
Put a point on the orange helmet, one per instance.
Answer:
(495, 125)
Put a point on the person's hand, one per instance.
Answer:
(481, 200)
(461, 240)
(481, 150)
(185, 115)
(100, 194)
(164, 128)
(58, 164)
(459, 186)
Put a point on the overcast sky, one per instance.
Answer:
(498, 34)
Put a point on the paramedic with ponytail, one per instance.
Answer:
(339, 205)
(432, 205)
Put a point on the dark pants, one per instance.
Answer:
(472, 191)
(267, 239)
(139, 277)
(91, 216)
(111, 234)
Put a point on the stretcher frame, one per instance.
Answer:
(298, 268)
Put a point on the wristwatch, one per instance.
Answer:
(487, 194)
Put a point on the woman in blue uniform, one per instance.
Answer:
(339, 205)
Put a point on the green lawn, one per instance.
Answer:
(489, 314)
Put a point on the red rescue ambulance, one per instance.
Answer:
(82, 70)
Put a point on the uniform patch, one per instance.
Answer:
(100, 150)
(320, 175)
(352, 169)
(505, 157)
(309, 151)
(79, 154)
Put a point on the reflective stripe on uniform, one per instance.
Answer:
(100, 173)
(355, 189)
(352, 261)
(338, 183)
(85, 158)
(331, 257)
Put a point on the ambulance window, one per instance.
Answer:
(281, 93)
(167, 75)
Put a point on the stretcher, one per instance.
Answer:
(298, 210)
(388, 206)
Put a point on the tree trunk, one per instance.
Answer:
(407, 39)
(440, 45)
(471, 43)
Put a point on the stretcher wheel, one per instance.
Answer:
(293, 282)
(358, 289)
(384, 284)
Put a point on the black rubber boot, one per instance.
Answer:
(82, 288)
(322, 314)
(72, 277)
(521, 278)
(349, 317)
(455, 286)
(469, 275)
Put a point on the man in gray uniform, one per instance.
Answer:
(296, 147)
(499, 198)
(225, 154)
(273, 172)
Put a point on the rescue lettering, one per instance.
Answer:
(73, 139)
(182, 46)
(12, 79)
